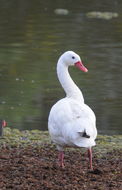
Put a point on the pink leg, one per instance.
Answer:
(61, 159)
(90, 158)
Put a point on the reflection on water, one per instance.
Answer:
(32, 36)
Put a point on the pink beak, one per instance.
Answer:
(80, 65)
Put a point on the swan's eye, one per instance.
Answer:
(73, 57)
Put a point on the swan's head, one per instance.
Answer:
(70, 58)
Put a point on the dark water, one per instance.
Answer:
(32, 37)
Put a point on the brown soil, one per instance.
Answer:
(32, 168)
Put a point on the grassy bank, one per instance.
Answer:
(15, 138)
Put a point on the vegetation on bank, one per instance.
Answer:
(15, 138)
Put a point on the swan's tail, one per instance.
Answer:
(84, 142)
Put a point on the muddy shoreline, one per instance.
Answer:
(28, 161)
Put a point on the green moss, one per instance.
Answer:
(15, 137)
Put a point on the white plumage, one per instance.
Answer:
(71, 122)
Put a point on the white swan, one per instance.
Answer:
(71, 122)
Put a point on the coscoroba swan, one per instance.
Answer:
(71, 122)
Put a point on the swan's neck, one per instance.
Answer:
(70, 88)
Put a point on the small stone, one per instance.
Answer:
(61, 11)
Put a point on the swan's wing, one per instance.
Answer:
(68, 118)
(83, 119)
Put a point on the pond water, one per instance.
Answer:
(33, 34)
